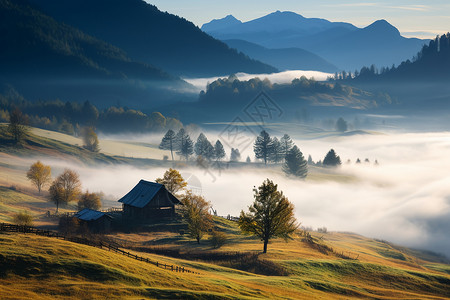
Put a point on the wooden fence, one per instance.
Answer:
(99, 244)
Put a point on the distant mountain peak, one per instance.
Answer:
(383, 25)
(219, 24)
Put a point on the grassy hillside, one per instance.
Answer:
(325, 265)
(34, 145)
(66, 270)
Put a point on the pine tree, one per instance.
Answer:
(276, 153)
(341, 125)
(185, 146)
(310, 160)
(286, 144)
(331, 159)
(168, 142)
(295, 164)
(203, 147)
(262, 146)
(219, 151)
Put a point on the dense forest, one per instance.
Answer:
(432, 63)
(48, 59)
(70, 117)
(301, 91)
(152, 36)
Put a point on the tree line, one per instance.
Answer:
(432, 60)
(65, 188)
(71, 117)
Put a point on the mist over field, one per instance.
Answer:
(405, 199)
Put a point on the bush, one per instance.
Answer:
(218, 239)
(23, 218)
(322, 229)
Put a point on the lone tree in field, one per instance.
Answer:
(90, 139)
(17, 126)
(295, 164)
(262, 146)
(197, 215)
(39, 174)
(89, 200)
(65, 188)
(219, 151)
(185, 146)
(271, 215)
(341, 125)
(331, 159)
(168, 142)
(172, 181)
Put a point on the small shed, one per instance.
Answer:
(95, 220)
(148, 200)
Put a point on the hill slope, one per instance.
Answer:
(47, 59)
(152, 36)
(72, 270)
(284, 59)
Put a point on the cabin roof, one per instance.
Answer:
(89, 214)
(143, 193)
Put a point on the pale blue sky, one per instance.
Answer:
(421, 18)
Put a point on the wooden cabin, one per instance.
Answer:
(147, 201)
(96, 221)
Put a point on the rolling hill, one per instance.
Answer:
(342, 44)
(154, 37)
(47, 59)
(70, 270)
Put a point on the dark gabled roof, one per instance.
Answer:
(143, 193)
(89, 214)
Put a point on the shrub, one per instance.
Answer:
(218, 239)
(23, 218)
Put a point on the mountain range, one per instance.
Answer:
(43, 58)
(153, 37)
(284, 59)
(342, 44)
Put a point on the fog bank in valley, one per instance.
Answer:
(281, 77)
(405, 199)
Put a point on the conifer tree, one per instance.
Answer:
(185, 146)
(295, 164)
(286, 144)
(262, 146)
(219, 151)
(332, 159)
(168, 142)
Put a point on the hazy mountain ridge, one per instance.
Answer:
(152, 36)
(48, 59)
(342, 44)
(284, 59)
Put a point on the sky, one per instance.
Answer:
(414, 18)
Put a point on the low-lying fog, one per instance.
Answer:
(405, 199)
(281, 77)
